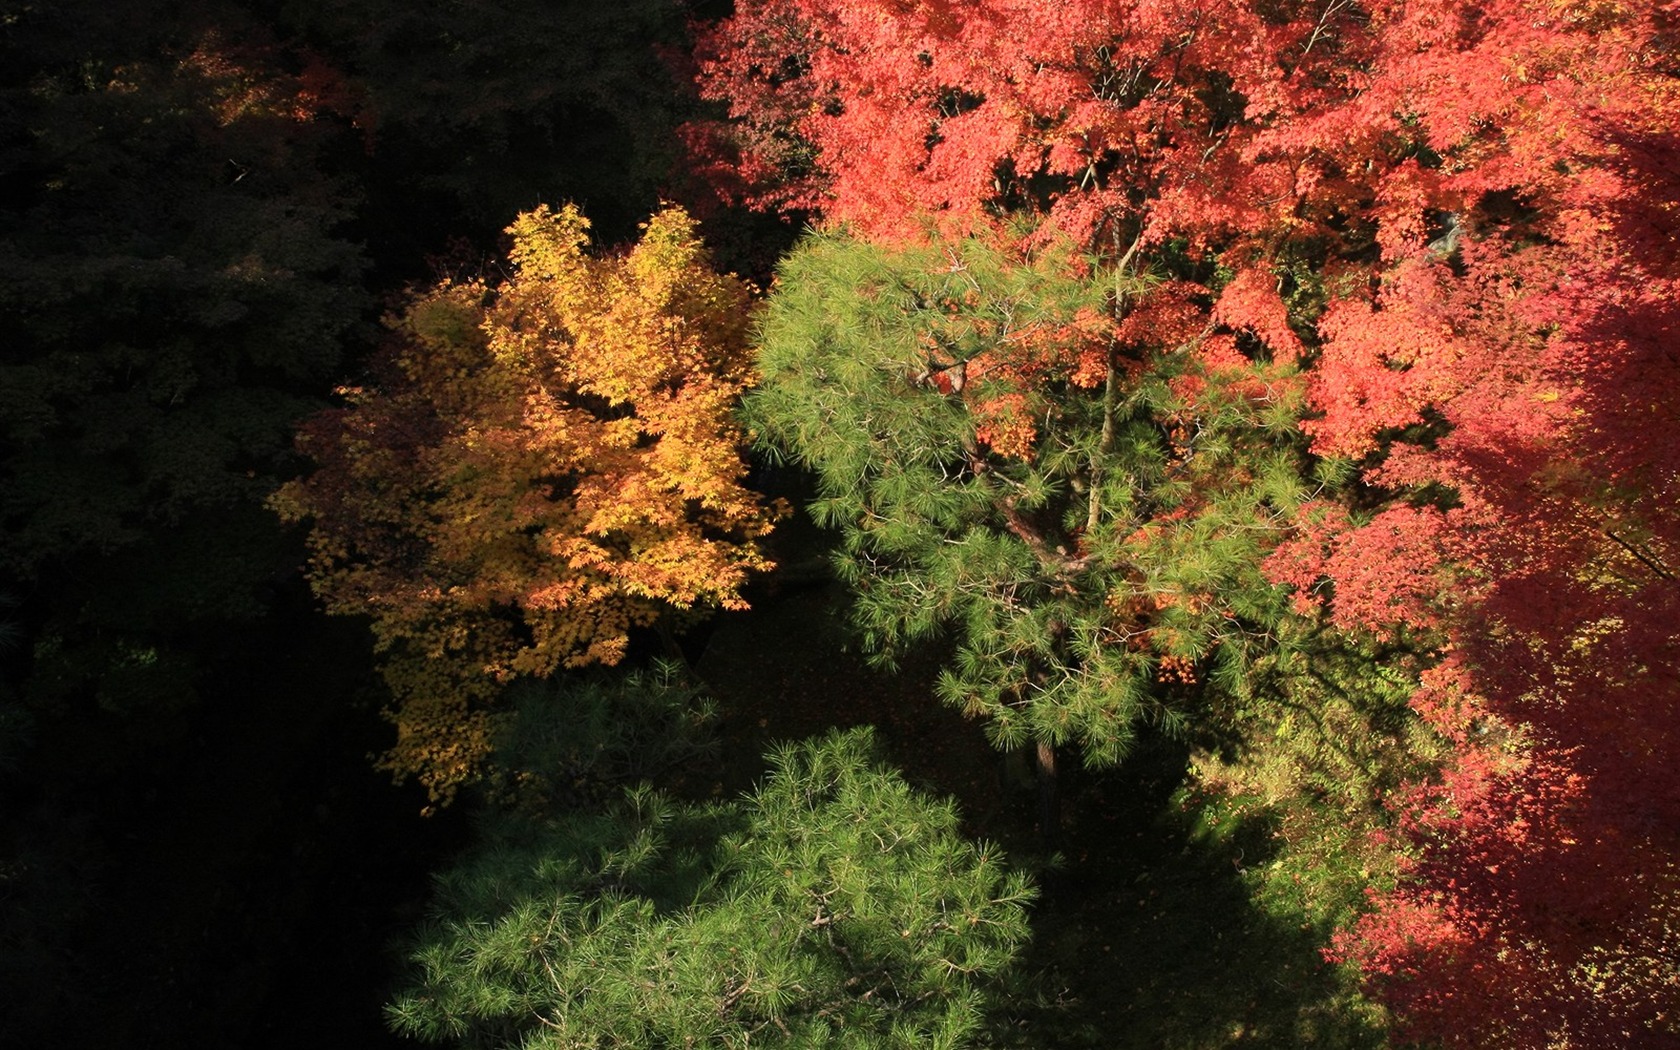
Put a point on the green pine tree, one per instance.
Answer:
(835, 907)
(1081, 510)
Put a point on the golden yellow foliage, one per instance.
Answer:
(544, 465)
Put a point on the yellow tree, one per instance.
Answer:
(538, 467)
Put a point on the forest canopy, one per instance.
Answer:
(1226, 452)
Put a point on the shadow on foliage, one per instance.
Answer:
(1153, 936)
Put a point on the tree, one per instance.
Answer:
(833, 907)
(1194, 121)
(471, 113)
(1083, 504)
(177, 291)
(1135, 134)
(1466, 215)
(1528, 404)
(543, 466)
(576, 742)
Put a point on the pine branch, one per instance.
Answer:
(1052, 554)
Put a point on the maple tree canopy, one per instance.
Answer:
(541, 466)
(1464, 220)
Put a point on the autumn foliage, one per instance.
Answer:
(1464, 220)
(540, 466)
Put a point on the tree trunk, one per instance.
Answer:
(673, 648)
(1049, 802)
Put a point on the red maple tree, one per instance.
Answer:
(1467, 218)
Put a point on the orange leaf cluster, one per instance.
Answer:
(545, 465)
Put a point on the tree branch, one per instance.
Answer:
(1111, 387)
(1645, 559)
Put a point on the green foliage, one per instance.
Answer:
(564, 743)
(833, 907)
(1300, 797)
(1081, 507)
(1292, 800)
(1341, 735)
(1173, 932)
